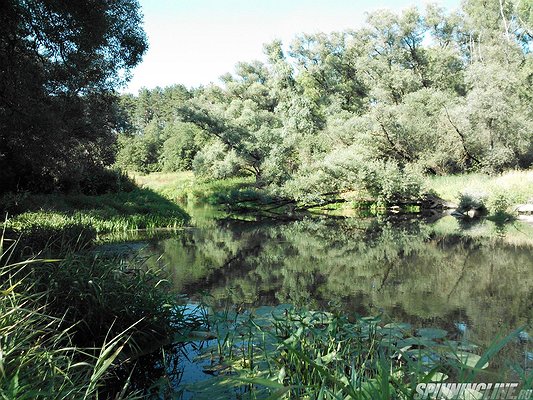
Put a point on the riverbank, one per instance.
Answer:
(71, 221)
(495, 195)
(159, 198)
(501, 193)
(96, 300)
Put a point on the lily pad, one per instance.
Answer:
(402, 326)
(415, 341)
(432, 333)
(468, 359)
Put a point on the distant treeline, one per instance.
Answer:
(371, 109)
(418, 92)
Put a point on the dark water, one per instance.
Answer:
(475, 278)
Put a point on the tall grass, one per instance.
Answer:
(499, 193)
(39, 357)
(184, 187)
(72, 221)
(65, 322)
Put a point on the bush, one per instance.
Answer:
(499, 202)
(346, 170)
(473, 200)
(217, 162)
(387, 182)
(106, 181)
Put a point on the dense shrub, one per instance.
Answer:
(106, 181)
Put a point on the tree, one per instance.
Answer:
(60, 62)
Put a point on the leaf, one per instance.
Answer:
(260, 381)
(469, 359)
(432, 333)
(402, 326)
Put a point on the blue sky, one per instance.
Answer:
(194, 42)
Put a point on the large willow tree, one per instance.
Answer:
(60, 62)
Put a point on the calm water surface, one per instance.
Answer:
(476, 278)
(473, 279)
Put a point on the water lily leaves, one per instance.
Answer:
(402, 326)
(467, 359)
(425, 356)
(281, 310)
(415, 341)
(263, 311)
(318, 318)
(395, 330)
(432, 333)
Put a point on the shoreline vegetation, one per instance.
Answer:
(157, 201)
(79, 289)
(411, 111)
(496, 196)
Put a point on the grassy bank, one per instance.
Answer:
(498, 193)
(71, 220)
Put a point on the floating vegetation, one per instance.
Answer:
(272, 352)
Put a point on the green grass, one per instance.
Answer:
(65, 322)
(184, 187)
(499, 192)
(71, 221)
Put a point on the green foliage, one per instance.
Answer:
(472, 200)
(343, 171)
(431, 91)
(497, 193)
(499, 202)
(65, 322)
(61, 62)
(280, 351)
(58, 232)
(68, 222)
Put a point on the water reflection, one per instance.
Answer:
(474, 280)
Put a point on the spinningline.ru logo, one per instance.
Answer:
(478, 391)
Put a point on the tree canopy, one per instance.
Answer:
(416, 92)
(60, 62)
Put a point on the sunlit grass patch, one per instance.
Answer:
(498, 194)
(67, 220)
(518, 184)
(184, 187)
